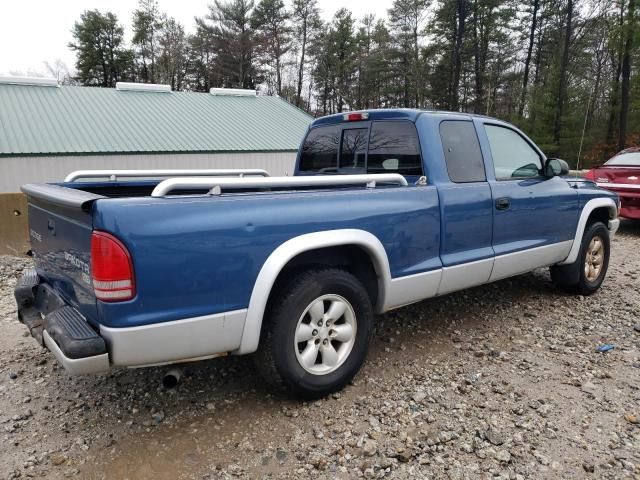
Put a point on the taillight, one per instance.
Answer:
(355, 117)
(111, 269)
(590, 175)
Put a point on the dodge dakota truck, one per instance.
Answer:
(386, 208)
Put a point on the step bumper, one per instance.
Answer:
(59, 327)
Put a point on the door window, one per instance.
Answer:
(462, 151)
(513, 156)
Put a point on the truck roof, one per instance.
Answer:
(411, 114)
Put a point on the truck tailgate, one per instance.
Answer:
(60, 232)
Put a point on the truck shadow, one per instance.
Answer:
(222, 410)
(222, 407)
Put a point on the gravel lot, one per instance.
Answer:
(501, 381)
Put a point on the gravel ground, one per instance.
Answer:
(501, 381)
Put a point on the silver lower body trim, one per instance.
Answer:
(77, 366)
(524, 261)
(465, 275)
(412, 288)
(177, 341)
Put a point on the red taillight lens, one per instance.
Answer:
(111, 269)
(590, 175)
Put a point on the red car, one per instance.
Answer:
(621, 174)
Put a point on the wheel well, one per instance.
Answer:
(351, 258)
(600, 214)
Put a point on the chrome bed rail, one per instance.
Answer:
(217, 185)
(113, 175)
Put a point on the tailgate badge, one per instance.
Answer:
(602, 180)
(633, 178)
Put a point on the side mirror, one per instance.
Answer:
(554, 167)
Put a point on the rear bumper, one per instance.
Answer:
(629, 198)
(81, 349)
(631, 212)
(59, 327)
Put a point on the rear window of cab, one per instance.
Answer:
(382, 147)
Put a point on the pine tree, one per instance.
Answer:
(102, 58)
(406, 18)
(270, 21)
(147, 26)
(229, 25)
(307, 24)
(172, 61)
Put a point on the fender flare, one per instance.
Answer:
(588, 208)
(292, 248)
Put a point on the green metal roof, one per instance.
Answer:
(40, 120)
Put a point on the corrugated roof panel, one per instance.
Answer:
(67, 120)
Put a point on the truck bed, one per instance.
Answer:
(197, 254)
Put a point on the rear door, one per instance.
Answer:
(466, 209)
(534, 217)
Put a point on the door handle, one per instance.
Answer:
(503, 203)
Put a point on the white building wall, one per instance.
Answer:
(16, 171)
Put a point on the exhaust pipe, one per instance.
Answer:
(172, 378)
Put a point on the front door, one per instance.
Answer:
(534, 217)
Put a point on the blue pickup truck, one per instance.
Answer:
(386, 208)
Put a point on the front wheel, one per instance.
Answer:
(587, 274)
(316, 334)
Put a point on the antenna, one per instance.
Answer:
(584, 128)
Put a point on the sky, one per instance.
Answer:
(36, 31)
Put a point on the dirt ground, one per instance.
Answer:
(501, 381)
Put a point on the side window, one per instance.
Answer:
(320, 150)
(394, 148)
(513, 157)
(462, 151)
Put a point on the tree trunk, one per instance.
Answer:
(301, 66)
(452, 64)
(626, 75)
(562, 83)
(278, 70)
(592, 102)
(416, 67)
(461, 17)
(527, 62)
(615, 91)
(478, 102)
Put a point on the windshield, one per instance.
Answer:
(631, 159)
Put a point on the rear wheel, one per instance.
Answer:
(316, 335)
(587, 274)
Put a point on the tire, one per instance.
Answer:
(295, 315)
(586, 275)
